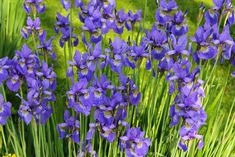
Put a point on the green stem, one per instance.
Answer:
(22, 137)
(35, 44)
(4, 92)
(4, 139)
(145, 11)
(70, 45)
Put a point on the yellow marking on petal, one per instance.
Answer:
(116, 62)
(107, 114)
(135, 93)
(84, 71)
(139, 144)
(1, 109)
(98, 94)
(86, 95)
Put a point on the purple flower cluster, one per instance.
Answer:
(94, 93)
(98, 17)
(187, 104)
(211, 44)
(166, 49)
(33, 28)
(39, 80)
(26, 71)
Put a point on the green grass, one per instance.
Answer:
(11, 21)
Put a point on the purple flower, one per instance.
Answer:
(4, 66)
(93, 26)
(25, 112)
(226, 42)
(139, 52)
(179, 47)
(207, 38)
(80, 98)
(132, 90)
(168, 6)
(119, 48)
(108, 133)
(231, 18)
(5, 110)
(166, 64)
(157, 43)
(110, 114)
(133, 18)
(212, 16)
(46, 46)
(67, 35)
(31, 5)
(13, 83)
(91, 131)
(178, 26)
(85, 69)
(96, 57)
(87, 149)
(121, 18)
(47, 76)
(219, 3)
(25, 61)
(62, 22)
(134, 143)
(32, 27)
(70, 127)
(36, 104)
(66, 4)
